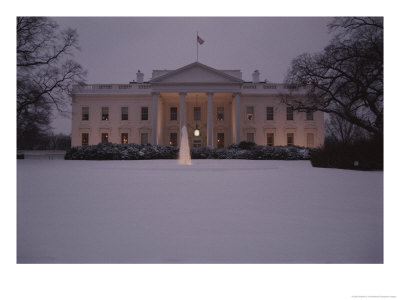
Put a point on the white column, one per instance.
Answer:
(209, 121)
(237, 117)
(182, 113)
(154, 118)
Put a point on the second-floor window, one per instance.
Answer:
(270, 113)
(174, 113)
(197, 113)
(289, 113)
(104, 114)
(220, 113)
(124, 113)
(85, 113)
(145, 113)
(250, 113)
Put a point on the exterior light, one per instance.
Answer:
(196, 131)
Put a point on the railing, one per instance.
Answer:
(110, 87)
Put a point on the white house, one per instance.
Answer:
(217, 107)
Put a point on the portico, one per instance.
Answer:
(200, 92)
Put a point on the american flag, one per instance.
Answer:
(200, 40)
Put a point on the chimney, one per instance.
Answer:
(139, 76)
(256, 76)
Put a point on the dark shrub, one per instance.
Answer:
(361, 154)
(244, 150)
(246, 145)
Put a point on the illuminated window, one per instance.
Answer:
(270, 139)
(220, 113)
(173, 139)
(290, 139)
(104, 137)
(310, 140)
(270, 113)
(124, 138)
(174, 113)
(85, 139)
(124, 113)
(250, 137)
(104, 114)
(249, 113)
(144, 138)
(197, 113)
(145, 113)
(220, 140)
(289, 113)
(309, 116)
(85, 113)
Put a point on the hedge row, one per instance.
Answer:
(363, 154)
(243, 150)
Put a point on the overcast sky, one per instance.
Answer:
(114, 49)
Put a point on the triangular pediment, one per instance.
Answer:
(196, 73)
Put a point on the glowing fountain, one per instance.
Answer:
(184, 150)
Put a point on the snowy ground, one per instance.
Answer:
(215, 211)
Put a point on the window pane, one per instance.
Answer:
(197, 115)
(220, 113)
(220, 140)
(85, 113)
(104, 114)
(270, 139)
(174, 113)
(250, 137)
(310, 116)
(145, 113)
(85, 139)
(144, 138)
(124, 113)
(289, 113)
(104, 137)
(124, 138)
(249, 113)
(310, 140)
(290, 139)
(270, 113)
(173, 139)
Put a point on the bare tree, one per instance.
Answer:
(342, 130)
(45, 70)
(346, 79)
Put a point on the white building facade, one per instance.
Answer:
(217, 107)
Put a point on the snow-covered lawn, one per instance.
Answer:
(215, 211)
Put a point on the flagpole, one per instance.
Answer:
(197, 43)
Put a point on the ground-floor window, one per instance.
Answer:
(104, 137)
(144, 138)
(196, 143)
(220, 140)
(250, 137)
(124, 138)
(173, 139)
(290, 139)
(270, 139)
(310, 140)
(85, 139)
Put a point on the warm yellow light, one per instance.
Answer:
(196, 132)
